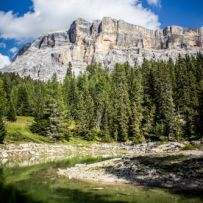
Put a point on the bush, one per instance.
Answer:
(163, 138)
(139, 139)
(191, 147)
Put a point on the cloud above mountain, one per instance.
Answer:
(4, 61)
(58, 14)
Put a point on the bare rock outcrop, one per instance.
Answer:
(107, 42)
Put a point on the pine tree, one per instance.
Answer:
(85, 108)
(120, 103)
(149, 106)
(166, 118)
(2, 130)
(3, 99)
(55, 123)
(99, 88)
(200, 112)
(52, 121)
(186, 94)
(70, 95)
(160, 100)
(3, 102)
(11, 114)
(136, 99)
(39, 99)
(23, 104)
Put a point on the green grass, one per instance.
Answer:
(19, 131)
(79, 141)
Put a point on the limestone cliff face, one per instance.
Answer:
(106, 42)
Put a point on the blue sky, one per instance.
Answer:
(24, 20)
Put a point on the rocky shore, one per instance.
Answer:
(32, 153)
(157, 164)
(171, 170)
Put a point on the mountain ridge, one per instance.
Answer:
(107, 41)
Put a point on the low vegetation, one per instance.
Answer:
(19, 131)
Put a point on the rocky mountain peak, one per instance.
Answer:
(107, 41)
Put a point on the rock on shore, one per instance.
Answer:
(32, 153)
(178, 170)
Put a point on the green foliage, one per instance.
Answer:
(121, 102)
(11, 114)
(2, 130)
(157, 101)
(139, 139)
(3, 99)
(19, 131)
(50, 119)
(23, 105)
(136, 105)
(192, 147)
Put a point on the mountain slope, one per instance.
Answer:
(107, 42)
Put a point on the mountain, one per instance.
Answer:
(107, 42)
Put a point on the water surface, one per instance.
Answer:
(41, 184)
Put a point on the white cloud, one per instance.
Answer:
(2, 45)
(59, 14)
(13, 50)
(154, 2)
(4, 61)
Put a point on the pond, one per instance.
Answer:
(41, 184)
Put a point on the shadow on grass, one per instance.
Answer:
(12, 195)
(180, 173)
(49, 194)
(9, 194)
(78, 196)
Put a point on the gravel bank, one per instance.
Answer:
(172, 170)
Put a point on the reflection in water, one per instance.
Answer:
(22, 161)
(30, 161)
(40, 183)
(10, 194)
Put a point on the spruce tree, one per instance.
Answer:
(52, 121)
(3, 100)
(71, 95)
(158, 100)
(136, 108)
(55, 128)
(2, 130)
(23, 104)
(149, 106)
(85, 109)
(11, 114)
(200, 112)
(121, 103)
(166, 118)
(186, 94)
